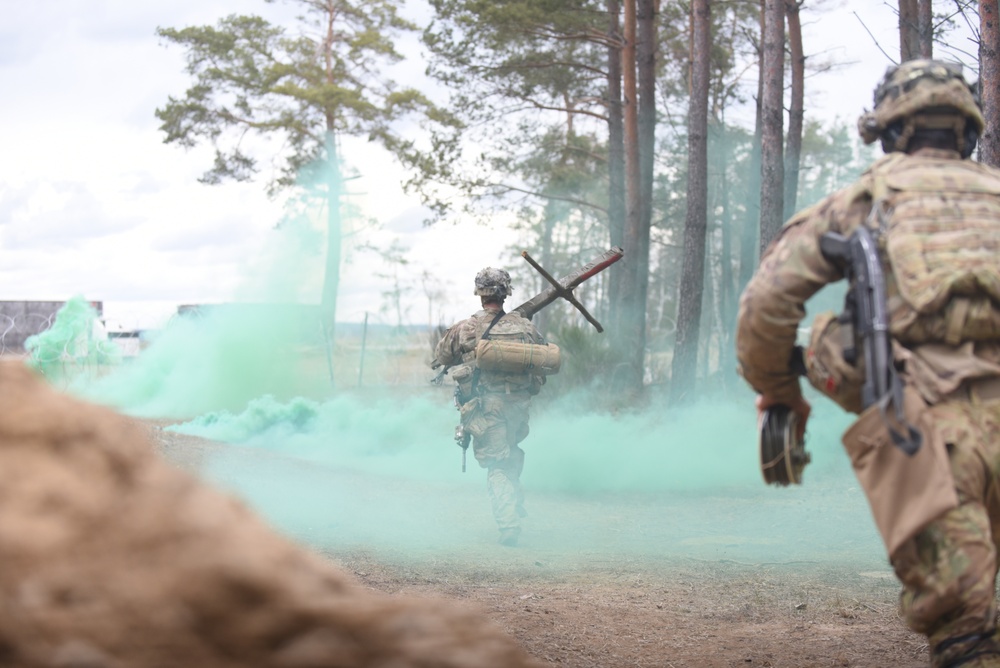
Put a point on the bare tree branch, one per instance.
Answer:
(875, 41)
(557, 198)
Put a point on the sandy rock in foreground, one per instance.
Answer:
(110, 557)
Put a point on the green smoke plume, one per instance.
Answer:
(220, 359)
(378, 468)
(73, 345)
(385, 474)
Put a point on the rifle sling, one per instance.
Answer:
(486, 335)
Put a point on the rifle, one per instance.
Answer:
(436, 380)
(462, 437)
(866, 310)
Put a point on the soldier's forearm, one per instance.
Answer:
(765, 354)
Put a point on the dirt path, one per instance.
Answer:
(616, 607)
(672, 614)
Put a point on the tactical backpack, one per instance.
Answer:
(506, 355)
(939, 223)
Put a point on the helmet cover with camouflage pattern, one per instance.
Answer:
(921, 86)
(492, 282)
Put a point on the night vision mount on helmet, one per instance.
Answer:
(923, 95)
(782, 454)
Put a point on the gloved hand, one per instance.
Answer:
(800, 407)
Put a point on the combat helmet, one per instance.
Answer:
(923, 94)
(492, 282)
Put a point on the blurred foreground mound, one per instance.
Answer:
(112, 558)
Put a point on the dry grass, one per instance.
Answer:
(687, 613)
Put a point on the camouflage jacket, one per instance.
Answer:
(937, 222)
(458, 347)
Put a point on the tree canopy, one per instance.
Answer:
(304, 89)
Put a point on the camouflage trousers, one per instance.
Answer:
(949, 569)
(498, 423)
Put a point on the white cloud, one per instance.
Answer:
(54, 215)
(92, 202)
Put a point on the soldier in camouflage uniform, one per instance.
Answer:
(494, 405)
(935, 215)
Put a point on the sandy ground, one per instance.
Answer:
(612, 609)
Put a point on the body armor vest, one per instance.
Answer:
(939, 222)
(509, 328)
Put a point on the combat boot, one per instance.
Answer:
(508, 537)
(983, 661)
(977, 650)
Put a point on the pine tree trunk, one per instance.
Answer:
(749, 245)
(630, 376)
(331, 274)
(796, 112)
(543, 318)
(646, 48)
(684, 364)
(909, 35)
(989, 80)
(925, 28)
(616, 149)
(728, 296)
(772, 117)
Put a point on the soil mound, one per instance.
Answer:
(111, 557)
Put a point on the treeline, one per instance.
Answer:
(676, 130)
(608, 123)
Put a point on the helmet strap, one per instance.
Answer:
(909, 127)
(898, 136)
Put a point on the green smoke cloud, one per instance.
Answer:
(218, 360)
(72, 346)
(385, 474)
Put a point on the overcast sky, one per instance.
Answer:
(93, 203)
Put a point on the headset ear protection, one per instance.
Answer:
(890, 136)
(970, 137)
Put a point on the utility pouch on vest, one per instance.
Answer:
(514, 357)
(463, 376)
(826, 367)
(472, 418)
(905, 492)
